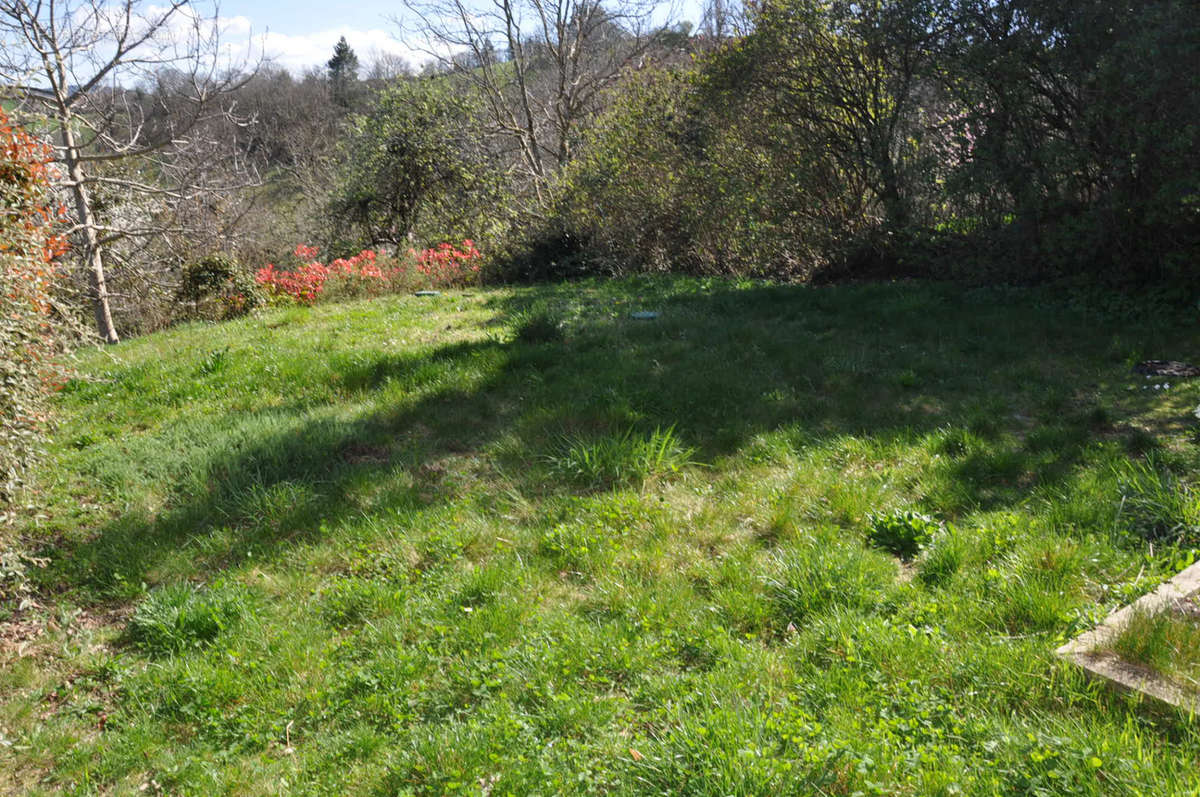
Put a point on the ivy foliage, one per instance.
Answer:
(30, 327)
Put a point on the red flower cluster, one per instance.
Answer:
(308, 281)
(31, 331)
(447, 264)
(443, 265)
(30, 229)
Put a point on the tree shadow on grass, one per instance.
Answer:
(719, 365)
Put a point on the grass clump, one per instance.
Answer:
(350, 601)
(829, 572)
(1154, 504)
(180, 617)
(620, 459)
(942, 556)
(539, 327)
(1165, 641)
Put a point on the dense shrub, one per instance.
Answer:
(31, 331)
(905, 138)
(1083, 131)
(216, 287)
(714, 186)
(414, 169)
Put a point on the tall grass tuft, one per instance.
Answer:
(1154, 504)
(1164, 641)
(180, 617)
(538, 327)
(625, 459)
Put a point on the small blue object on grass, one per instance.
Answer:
(428, 293)
(644, 315)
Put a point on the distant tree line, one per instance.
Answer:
(990, 140)
(1009, 140)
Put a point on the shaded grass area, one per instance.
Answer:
(516, 542)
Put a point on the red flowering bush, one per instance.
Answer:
(368, 274)
(449, 265)
(30, 335)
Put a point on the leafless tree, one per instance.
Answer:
(723, 19)
(385, 67)
(291, 143)
(134, 92)
(540, 66)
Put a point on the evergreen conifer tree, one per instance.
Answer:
(343, 73)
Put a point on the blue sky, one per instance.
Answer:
(299, 34)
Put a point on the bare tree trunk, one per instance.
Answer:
(93, 254)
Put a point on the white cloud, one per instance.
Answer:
(239, 42)
(297, 53)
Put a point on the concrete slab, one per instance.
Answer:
(1090, 650)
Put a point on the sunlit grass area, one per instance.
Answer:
(776, 540)
(1166, 642)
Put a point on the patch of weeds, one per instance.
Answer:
(443, 544)
(178, 617)
(903, 533)
(576, 546)
(214, 362)
(623, 459)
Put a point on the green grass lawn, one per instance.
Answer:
(780, 540)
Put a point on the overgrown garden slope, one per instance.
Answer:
(514, 541)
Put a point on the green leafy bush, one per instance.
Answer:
(903, 533)
(31, 328)
(714, 185)
(415, 169)
(216, 287)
